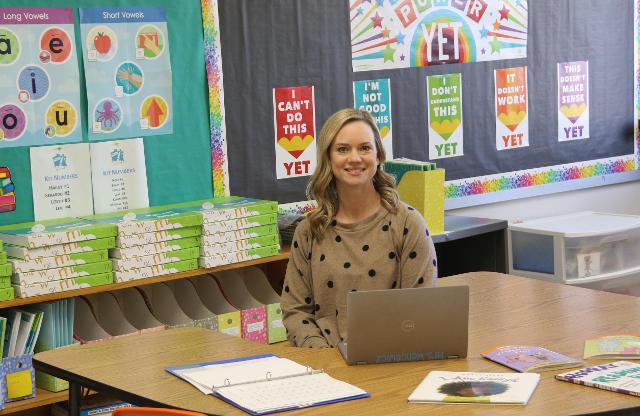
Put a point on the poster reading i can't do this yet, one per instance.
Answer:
(39, 91)
(128, 72)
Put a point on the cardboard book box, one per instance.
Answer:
(239, 245)
(63, 260)
(155, 270)
(230, 208)
(229, 317)
(239, 224)
(190, 302)
(253, 313)
(238, 256)
(60, 249)
(259, 287)
(424, 190)
(53, 232)
(164, 306)
(239, 234)
(148, 220)
(154, 248)
(62, 285)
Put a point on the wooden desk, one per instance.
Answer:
(504, 310)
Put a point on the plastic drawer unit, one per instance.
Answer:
(589, 249)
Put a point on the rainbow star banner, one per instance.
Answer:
(387, 34)
(375, 97)
(512, 111)
(294, 121)
(573, 101)
(445, 116)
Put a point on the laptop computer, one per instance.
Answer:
(410, 324)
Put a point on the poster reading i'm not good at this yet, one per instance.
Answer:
(39, 91)
(128, 72)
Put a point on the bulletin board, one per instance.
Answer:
(178, 164)
(287, 43)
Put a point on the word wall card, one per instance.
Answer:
(128, 72)
(39, 80)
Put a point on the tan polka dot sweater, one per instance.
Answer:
(380, 252)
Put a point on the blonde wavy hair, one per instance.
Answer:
(322, 185)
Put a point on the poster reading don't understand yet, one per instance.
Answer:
(294, 126)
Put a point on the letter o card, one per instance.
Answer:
(294, 125)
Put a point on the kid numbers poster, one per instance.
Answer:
(39, 92)
(128, 72)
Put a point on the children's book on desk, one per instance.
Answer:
(625, 346)
(263, 384)
(620, 376)
(524, 358)
(466, 387)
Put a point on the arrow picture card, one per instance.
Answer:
(128, 72)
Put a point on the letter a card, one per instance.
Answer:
(127, 71)
(39, 94)
(512, 108)
(294, 122)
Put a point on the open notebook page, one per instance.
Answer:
(238, 372)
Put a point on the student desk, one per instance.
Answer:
(504, 310)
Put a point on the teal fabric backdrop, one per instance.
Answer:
(179, 164)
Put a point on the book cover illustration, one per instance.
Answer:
(524, 358)
(619, 376)
(613, 346)
(467, 387)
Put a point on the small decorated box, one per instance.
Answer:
(217, 238)
(150, 220)
(156, 270)
(62, 285)
(230, 208)
(49, 233)
(154, 259)
(127, 241)
(60, 249)
(239, 224)
(67, 272)
(238, 256)
(21, 266)
(155, 248)
(239, 245)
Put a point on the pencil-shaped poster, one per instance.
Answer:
(294, 122)
(573, 100)
(512, 119)
(39, 94)
(444, 94)
(375, 97)
(128, 72)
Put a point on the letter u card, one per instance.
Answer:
(127, 72)
(39, 94)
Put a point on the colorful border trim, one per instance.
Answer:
(534, 177)
(213, 62)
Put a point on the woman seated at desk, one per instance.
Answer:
(360, 237)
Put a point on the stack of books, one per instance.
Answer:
(6, 290)
(58, 255)
(7, 196)
(154, 242)
(236, 229)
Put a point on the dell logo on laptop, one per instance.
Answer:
(408, 325)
